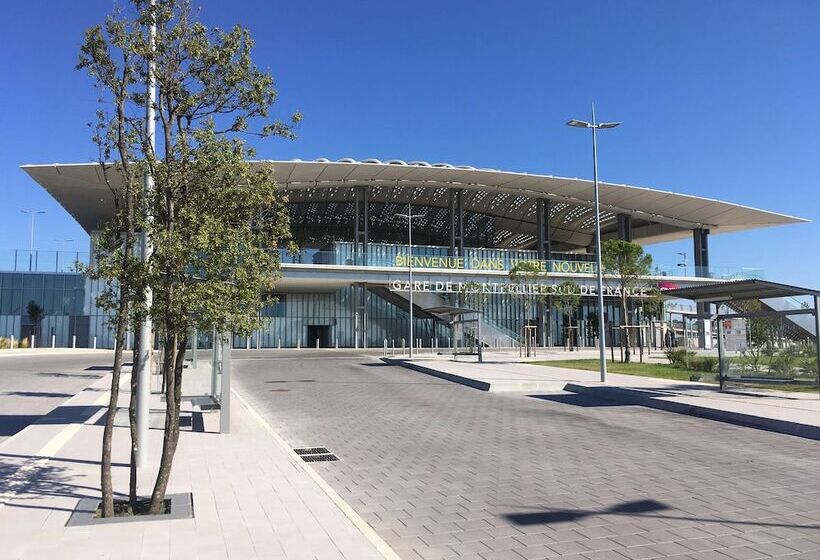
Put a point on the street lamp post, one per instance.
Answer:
(409, 217)
(684, 264)
(62, 243)
(601, 330)
(31, 213)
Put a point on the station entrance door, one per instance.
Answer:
(320, 334)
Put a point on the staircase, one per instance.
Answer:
(491, 333)
(795, 326)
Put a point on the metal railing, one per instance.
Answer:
(23, 260)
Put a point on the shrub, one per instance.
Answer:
(22, 343)
(704, 363)
(679, 356)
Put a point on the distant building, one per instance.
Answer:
(348, 284)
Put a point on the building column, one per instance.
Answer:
(625, 227)
(456, 222)
(361, 227)
(542, 216)
(700, 236)
(544, 249)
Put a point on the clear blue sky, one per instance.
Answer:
(718, 99)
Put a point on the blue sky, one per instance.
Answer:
(718, 99)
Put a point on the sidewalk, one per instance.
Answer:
(785, 412)
(252, 497)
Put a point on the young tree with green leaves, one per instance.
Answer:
(217, 220)
(35, 314)
(568, 299)
(524, 274)
(627, 264)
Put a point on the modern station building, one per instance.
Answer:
(348, 286)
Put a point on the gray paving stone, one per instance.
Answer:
(540, 470)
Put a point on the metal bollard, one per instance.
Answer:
(12, 342)
(337, 343)
(74, 341)
(247, 343)
(53, 341)
(95, 343)
(402, 346)
(394, 347)
(33, 341)
(385, 347)
(278, 343)
(317, 343)
(299, 343)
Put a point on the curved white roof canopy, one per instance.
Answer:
(509, 197)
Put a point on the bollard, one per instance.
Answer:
(337, 343)
(258, 336)
(247, 343)
(278, 343)
(299, 343)
(53, 341)
(33, 341)
(394, 347)
(12, 342)
(317, 343)
(385, 347)
(74, 341)
(402, 345)
(95, 343)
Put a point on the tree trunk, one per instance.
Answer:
(172, 363)
(108, 433)
(627, 334)
(132, 421)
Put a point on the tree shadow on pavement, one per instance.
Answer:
(29, 481)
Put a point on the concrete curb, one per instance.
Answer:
(650, 400)
(475, 384)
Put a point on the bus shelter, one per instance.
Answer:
(767, 332)
(465, 329)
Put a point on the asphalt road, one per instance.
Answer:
(33, 385)
(441, 470)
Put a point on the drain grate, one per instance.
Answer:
(311, 450)
(315, 454)
(317, 458)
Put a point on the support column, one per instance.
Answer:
(817, 336)
(700, 236)
(456, 222)
(542, 215)
(361, 226)
(544, 249)
(625, 227)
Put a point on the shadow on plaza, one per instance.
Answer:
(10, 424)
(588, 401)
(43, 394)
(69, 375)
(637, 508)
(26, 479)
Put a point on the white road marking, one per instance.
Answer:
(384, 549)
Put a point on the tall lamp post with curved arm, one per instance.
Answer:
(601, 330)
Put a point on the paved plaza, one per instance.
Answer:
(441, 470)
(31, 385)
